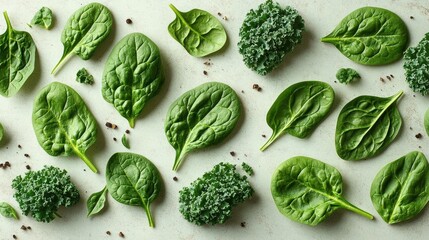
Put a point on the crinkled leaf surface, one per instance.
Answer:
(17, 59)
(133, 74)
(201, 117)
(62, 122)
(43, 18)
(366, 126)
(401, 189)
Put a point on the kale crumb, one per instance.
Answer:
(175, 179)
(248, 169)
(243, 224)
(419, 135)
(232, 153)
(108, 232)
(129, 21)
(121, 235)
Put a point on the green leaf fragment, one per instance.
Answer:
(43, 18)
(6, 210)
(347, 75)
(247, 168)
(83, 76)
(125, 141)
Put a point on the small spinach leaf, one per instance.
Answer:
(133, 74)
(366, 126)
(84, 31)
(370, 36)
(1, 132)
(201, 117)
(133, 180)
(17, 59)
(83, 76)
(308, 191)
(426, 121)
(299, 109)
(96, 202)
(43, 18)
(6, 210)
(63, 123)
(125, 141)
(199, 32)
(401, 189)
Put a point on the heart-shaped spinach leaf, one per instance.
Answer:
(84, 31)
(201, 117)
(133, 74)
(370, 36)
(17, 58)
(199, 32)
(96, 202)
(299, 109)
(308, 191)
(366, 126)
(63, 123)
(401, 188)
(133, 180)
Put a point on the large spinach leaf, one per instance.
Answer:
(17, 58)
(401, 189)
(133, 74)
(62, 122)
(96, 202)
(84, 31)
(199, 32)
(201, 117)
(370, 36)
(366, 126)
(133, 180)
(299, 109)
(308, 191)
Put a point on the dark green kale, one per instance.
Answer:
(268, 34)
(210, 198)
(83, 76)
(248, 169)
(346, 75)
(41, 193)
(416, 65)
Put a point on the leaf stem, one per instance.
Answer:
(273, 137)
(178, 161)
(6, 18)
(87, 161)
(132, 122)
(345, 204)
(63, 60)
(149, 216)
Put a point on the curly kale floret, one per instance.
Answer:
(210, 198)
(416, 66)
(41, 193)
(346, 75)
(268, 34)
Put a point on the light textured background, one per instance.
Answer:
(311, 60)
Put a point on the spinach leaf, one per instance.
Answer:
(199, 32)
(17, 58)
(366, 126)
(63, 123)
(426, 121)
(133, 180)
(308, 191)
(6, 210)
(133, 74)
(83, 76)
(125, 142)
(370, 36)
(299, 109)
(401, 189)
(201, 117)
(43, 18)
(1, 132)
(84, 31)
(96, 202)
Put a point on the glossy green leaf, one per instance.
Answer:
(1, 132)
(6, 210)
(96, 202)
(426, 121)
(308, 191)
(63, 123)
(199, 32)
(17, 59)
(299, 109)
(370, 36)
(366, 126)
(133, 74)
(84, 31)
(401, 188)
(133, 180)
(125, 141)
(43, 18)
(201, 117)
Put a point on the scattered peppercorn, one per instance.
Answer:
(129, 21)
(1, 165)
(232, 153)
(121, 235)
(419, 135)
(388, 78)
(28, 228)
(205, 72)
(420, 146)
(391, 75)
(335, 81)
(24, 228)
(26, 155)
(381, 79)
(7, 164)
(28, 167)
(127, 131)
(108, 232)
(411, 17)
(111, 125)
(243, 224)
(114, 139)
(19, 146)
(14, 236)
(257, 87)
(175, 178)
(219, 14)
(242, 91)
(225, 18)
(264, 136)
